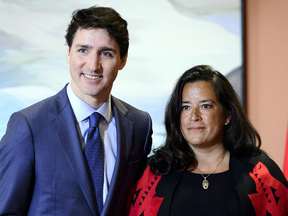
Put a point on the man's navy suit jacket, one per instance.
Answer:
(43, 169)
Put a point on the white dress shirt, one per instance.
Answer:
(107, 128)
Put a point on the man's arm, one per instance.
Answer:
(16, 167)
(147, 148)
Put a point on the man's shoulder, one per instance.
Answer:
(58, 100)
(120, 103)
(127, 108)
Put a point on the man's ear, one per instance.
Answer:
(123, 61)
(68, 55)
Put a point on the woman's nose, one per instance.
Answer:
(195, 114)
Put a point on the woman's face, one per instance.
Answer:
(202, 118)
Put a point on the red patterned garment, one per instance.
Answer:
(144, 195)
(261, 186)
(271, 197)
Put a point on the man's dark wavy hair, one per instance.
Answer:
(239, 137)
(100, 17)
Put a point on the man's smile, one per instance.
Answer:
(92, 77)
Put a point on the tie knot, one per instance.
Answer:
(94, 119)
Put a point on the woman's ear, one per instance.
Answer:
(227, 122)
(228, 118)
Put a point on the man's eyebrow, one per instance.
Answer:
(107, 49)
(83, 46)
(86, 46)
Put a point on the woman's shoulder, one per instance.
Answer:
(256, 157)
(260, 164)
(262, 157)
(153, 192)
(144, 193)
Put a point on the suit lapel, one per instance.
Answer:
(124, 141)
(64, 126)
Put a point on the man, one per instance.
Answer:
(44, 167)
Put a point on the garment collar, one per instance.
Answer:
(82, 110)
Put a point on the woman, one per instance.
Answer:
(211, 162)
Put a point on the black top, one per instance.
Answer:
(191, 198)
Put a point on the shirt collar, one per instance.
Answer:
(82, 110)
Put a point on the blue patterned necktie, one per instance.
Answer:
(94, 152)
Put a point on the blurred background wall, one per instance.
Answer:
(164, 38)
(266, 57)
(167, 37)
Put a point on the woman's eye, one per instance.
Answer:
(185, 107)
(206, 106)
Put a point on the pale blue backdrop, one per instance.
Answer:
(167, 37)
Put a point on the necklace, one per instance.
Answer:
(205, 183)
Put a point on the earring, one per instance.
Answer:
(226, 123)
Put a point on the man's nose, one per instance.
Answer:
(93, 62)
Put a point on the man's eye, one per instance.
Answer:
(82, 50)
(106, 54)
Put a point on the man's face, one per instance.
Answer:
(94, 60)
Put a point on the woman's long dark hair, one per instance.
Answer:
(239, 136)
